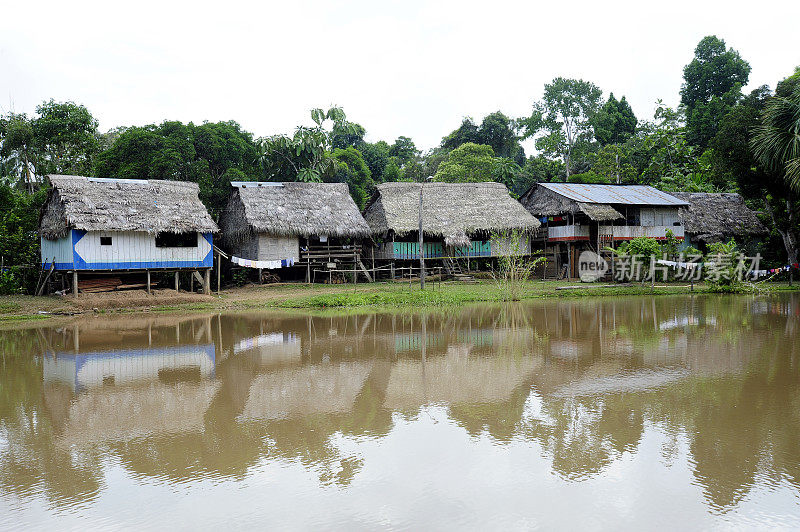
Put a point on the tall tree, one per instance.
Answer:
(614, 122)
(776, 143)
(376, 156)
(306, 155)
(496, 130)
(351, 169)
(468, 163)
(712, 84)
(564, 116)
(17, 151)
(61, 138)
(66, 137)
(211, 154)
(404, 149)
(764, 185)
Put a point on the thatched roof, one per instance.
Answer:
(151, 206)
(717, 217)
(599, 212)
(292, 209)
(452, 211)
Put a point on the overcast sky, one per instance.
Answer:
(398, 68)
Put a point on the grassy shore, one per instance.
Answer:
(302, 296)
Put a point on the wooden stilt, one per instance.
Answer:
(149, 291)
(207, 282)
(75, 283)
(219, 270)
(177, 282)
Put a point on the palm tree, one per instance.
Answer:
(776, 143)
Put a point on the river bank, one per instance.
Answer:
(302, 296)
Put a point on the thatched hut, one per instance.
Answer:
(94, 224)
(458, 219)
(291, 223)
(712, 217)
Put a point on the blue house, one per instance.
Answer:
(125, 225)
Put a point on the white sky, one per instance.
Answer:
(398, 68)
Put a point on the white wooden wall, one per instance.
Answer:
(504, 245)
(135, 250)
(278, 247)
(61, 249)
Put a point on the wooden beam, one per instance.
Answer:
(47, 277)
(363, 268)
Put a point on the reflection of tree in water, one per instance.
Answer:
(582, 379)
(30, 461)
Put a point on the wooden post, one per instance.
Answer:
(260, 276)
(219, 269)
(569, 260)
(613, 263)
(177, 281)
(191, 282)
(421, 243)
(75, 282)
(148, 282)
(308, 261)
(207, 282)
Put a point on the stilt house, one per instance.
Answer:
(124, 225)
(580, 217)
(293, 224)
(458, 221)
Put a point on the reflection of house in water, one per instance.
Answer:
(151, 384)
(305, 391)
(127, 366)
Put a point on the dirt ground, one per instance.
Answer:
(124, 300)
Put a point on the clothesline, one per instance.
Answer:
(264, 264)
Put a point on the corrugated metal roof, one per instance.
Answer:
(614, 194)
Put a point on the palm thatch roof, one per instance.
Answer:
(292, 209)
(452, 211)
(599, 212)
(715, 217)
(94, 204)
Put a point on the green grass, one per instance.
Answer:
(24, 317)
(397, 295)
(7, 307)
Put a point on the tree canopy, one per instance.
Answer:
(469, 162)
(712, 84)
(562, 119)
(614, 122)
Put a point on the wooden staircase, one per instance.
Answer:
(451, 266)
(454, 270)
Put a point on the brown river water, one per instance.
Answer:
(656, 413)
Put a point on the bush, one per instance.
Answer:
(9, 283)
(515, 265)
(725, 274)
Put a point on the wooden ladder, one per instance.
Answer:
(451, 266)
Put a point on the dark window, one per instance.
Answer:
(105, 240)
(173, 240)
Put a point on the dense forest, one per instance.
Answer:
(719, 139)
